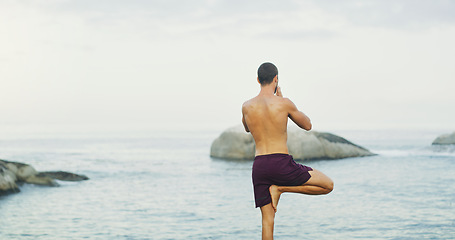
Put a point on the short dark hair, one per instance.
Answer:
(266, 72)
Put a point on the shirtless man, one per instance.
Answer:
(274, 170)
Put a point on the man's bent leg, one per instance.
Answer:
(268, 219)
(318, 184)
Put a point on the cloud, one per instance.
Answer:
(296, 35)
(305, 18)
(204, 18)
(119, 59)
(403, 14)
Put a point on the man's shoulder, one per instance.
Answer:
(285, 100)
(286, 104)
(248, 102)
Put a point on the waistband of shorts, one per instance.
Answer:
(265, 156)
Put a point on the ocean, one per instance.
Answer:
(157, 184)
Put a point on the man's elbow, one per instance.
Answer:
(308, 126)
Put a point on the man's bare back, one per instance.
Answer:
(266, 117)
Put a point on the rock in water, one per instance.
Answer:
(445, 139)
(63, 176)
(27, 174)
(7, 181)
(321, 145)
(12, 173)
(235, 143)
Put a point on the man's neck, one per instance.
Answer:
(267, 90)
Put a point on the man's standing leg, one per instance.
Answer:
(268, 219)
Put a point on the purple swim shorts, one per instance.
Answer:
(276, 169)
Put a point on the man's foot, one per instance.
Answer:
(275, 193)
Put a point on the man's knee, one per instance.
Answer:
(329, 186)
(320, 179)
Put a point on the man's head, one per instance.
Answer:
(266, 73)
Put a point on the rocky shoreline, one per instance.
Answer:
(13, 174)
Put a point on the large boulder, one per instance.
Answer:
(235, 143)
(12, 173)
(445, 139)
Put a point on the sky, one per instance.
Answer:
(172, 64)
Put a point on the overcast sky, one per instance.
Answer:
(346, 64)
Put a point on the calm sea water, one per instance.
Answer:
(164, 185)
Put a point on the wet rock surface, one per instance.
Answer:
(13, 174)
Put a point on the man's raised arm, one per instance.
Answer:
(243, 119)
(244, 124)
(298, 117)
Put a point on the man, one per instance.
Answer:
(274, 170)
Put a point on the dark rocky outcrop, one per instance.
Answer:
(63, 176)
(14, 173)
